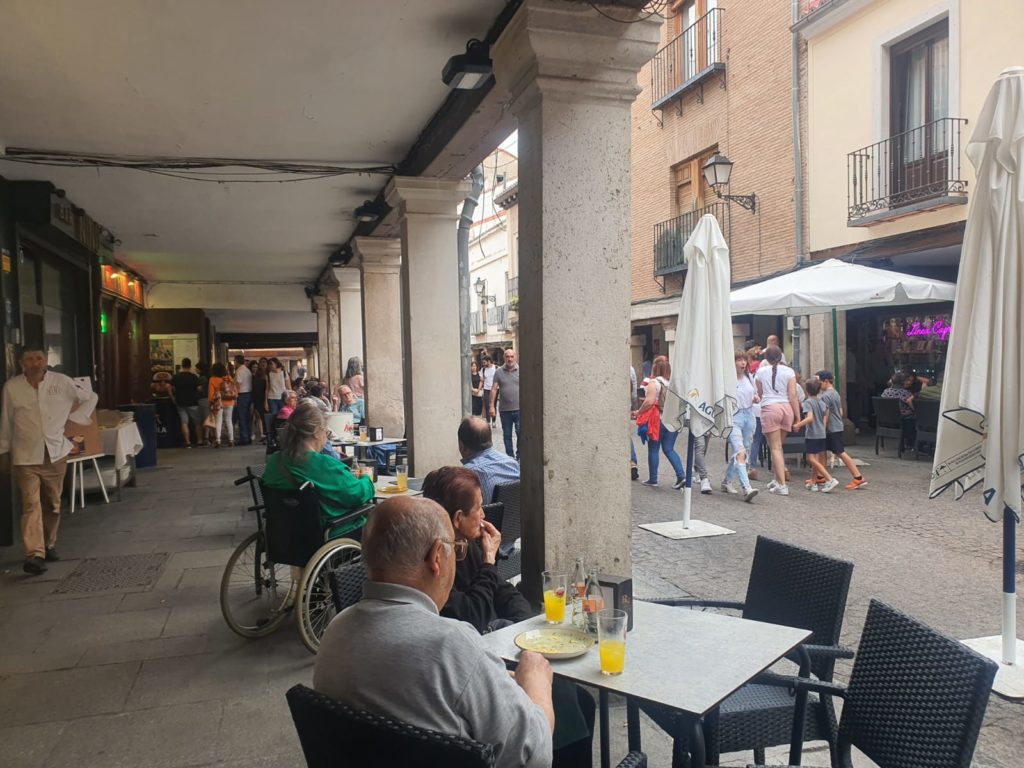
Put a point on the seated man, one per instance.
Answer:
(492, 467)
(439, 676)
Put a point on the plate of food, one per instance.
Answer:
(390, 489)
(555, 642)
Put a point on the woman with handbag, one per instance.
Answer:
(659, 437)
(223, 392)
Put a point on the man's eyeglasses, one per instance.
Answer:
(461, 547)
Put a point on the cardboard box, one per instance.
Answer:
(86, 437)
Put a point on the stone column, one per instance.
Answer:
(351, 314)
(428, 214)
(329, 330)
(570, 75)
(380, 264)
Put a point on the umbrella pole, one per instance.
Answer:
(1009, 587)
(689, 478)
(835, 351)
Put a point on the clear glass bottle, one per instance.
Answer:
(577, 585)
(593, 601)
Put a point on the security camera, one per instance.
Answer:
(341, 257)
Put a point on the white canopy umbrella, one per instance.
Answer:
(703, 373)
(832, 284)
(981, 432)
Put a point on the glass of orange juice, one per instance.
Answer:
(554, 597)
(611, 640)
(402, 476)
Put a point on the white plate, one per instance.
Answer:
(555, 642)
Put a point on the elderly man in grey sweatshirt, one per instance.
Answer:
(394, 655)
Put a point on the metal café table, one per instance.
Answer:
(384, 484)
(676, 657)
(360, 446)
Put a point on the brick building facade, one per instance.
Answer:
(721, 82)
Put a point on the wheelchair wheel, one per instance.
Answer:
(315, 604)
(255, 594)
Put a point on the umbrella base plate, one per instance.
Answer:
(698, 529)
(1009, 682)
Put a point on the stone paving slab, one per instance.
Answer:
(71, 672)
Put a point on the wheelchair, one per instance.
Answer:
(284, 566)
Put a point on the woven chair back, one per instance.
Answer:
(916, 698)
(347, 584)
(333, 734)
(796, 587)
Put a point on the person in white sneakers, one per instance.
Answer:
(742, 433)
(776, 386)
(815, 419)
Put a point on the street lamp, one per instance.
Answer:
(480, 286)
(717, 171)
(470, 70)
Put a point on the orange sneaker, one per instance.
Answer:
(855, 483)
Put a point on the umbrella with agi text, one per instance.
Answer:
(981, 432)
(703, 372)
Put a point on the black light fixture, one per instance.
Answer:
(370, 211)
(341, 257)
(717, 171)
(469, 70)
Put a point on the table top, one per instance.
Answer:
(386, 481)
(368, 443)
(84, 457)
(685, 659)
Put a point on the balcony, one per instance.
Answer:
(919, 170)
(808, 7)
(671, 235)
(685, 62)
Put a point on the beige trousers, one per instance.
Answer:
(41, 486)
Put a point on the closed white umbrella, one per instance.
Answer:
(981, 432)
(703, 373)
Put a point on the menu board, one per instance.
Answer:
(166, 351)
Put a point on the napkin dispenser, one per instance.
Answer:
(618, 593)
(376, 434)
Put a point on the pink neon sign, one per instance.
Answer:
(938, 328)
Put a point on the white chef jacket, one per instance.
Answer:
(32, 420)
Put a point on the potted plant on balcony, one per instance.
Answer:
(513, 311)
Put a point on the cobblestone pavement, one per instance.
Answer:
(151, 675)
(939, 560)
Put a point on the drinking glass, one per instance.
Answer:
(611, 640)
(368, 470)
(402, 476)
(364, 433)
(554, 597)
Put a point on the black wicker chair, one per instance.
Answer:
(888, 423)
(511, 563)
(334, 735)
(795, 587)
(927, 412)
(347, 584)
(916, 698)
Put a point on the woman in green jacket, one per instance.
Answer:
(341, 491)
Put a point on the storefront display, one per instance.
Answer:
(918, 342)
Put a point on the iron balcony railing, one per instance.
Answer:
(512, 288)
(671, 235)
(909, 171)
(694, 53)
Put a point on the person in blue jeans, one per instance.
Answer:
(657, 390)
(743, 424)
(506, 388)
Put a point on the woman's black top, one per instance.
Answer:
(479, 596)
(478, 400)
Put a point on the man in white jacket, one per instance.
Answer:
(36, 407)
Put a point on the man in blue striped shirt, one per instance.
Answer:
(491, 466)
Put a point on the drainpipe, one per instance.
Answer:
(465, 308)
(798, 171)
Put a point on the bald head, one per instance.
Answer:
(474, 436)
(399, 535)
